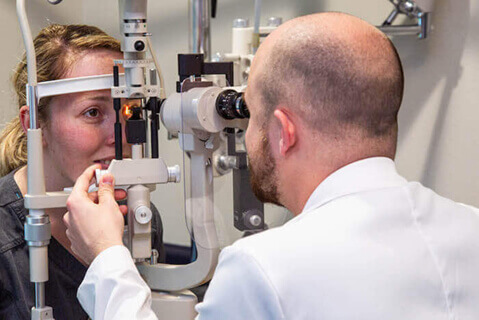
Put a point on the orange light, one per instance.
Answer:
(127, 112)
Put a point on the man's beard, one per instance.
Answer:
(263, 176)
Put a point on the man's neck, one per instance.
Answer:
(307, 174)
(295, 190)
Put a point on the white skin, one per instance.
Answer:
(79, 133)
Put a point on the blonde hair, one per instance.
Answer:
(55, 47)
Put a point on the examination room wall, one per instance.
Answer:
(439, 136)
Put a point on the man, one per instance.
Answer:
(324, 93)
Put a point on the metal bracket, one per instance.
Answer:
(248, 210)
(141, 171)
(74, 85)
(411, 10)
(49, 200)
(45, 313)
(194, 65)
(131, 92)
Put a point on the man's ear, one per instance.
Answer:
(25, 118)
(287, 131)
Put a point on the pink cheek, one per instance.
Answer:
(76, 139)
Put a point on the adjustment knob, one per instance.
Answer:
(143, 214)
(174, 174)
(255, 220)
(139, 45)
(240, 23)
(275, 21)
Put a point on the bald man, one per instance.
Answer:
(324, 93)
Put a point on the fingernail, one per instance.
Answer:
(107, 180)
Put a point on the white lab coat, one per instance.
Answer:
(368, 245)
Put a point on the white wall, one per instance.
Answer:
(12, 44)
(439, 139)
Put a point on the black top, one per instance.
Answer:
(65, 272)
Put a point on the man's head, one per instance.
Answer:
(324, 91)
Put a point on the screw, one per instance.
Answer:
(255, 220)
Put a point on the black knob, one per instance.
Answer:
(139, 45)
(231, 105)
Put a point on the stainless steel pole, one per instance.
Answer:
(199, 23)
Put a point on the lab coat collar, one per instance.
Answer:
(363, 175)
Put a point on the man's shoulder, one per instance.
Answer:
(339, 218)
(423, 195)
(386, 240)
(262, 241)
(451, 225)
(274, 247)
(431, 210)
(373, 224)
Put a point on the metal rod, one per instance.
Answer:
(117, 126)
(28, 42)
(32, 106)
(39, 295)
(154, 126)
(389, 20)
(257, 20)
(199, 23)
(424, 23)
(31, 62)
(401, 30)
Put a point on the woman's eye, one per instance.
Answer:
(92, 113)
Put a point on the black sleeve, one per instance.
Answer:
(157, 234)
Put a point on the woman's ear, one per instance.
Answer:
(25, 118)
(25, 121)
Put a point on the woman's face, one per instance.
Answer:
(80, 128)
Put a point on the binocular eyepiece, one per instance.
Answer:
(231, 105)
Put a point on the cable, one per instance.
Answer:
(158, 69)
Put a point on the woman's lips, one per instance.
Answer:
(104, 163)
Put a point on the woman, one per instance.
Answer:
(77, 132)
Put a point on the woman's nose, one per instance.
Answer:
(110, 139)
(110, 130)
